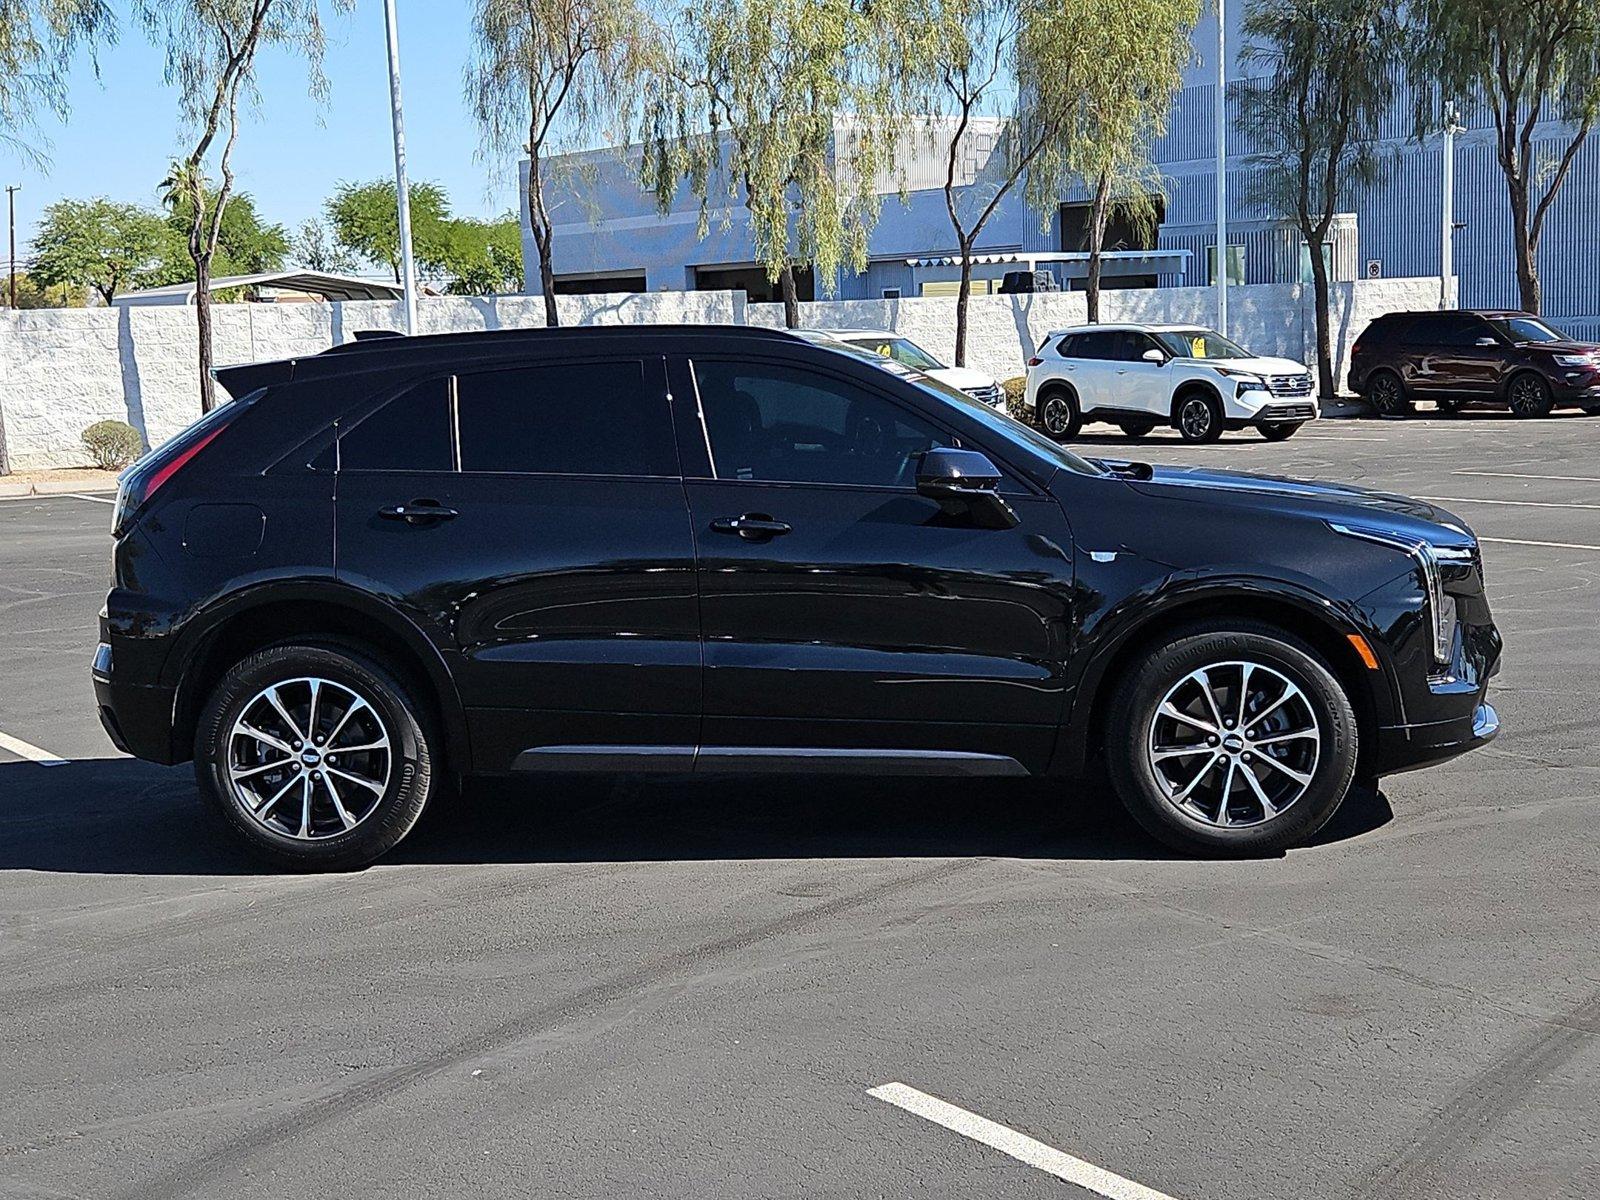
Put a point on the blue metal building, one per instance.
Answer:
(610, 237)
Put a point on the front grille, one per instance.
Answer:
(1289, 412)
(1289, 385)
(993, 395)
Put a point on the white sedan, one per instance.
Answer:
(907, 353)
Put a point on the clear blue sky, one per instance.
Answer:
(124, 126)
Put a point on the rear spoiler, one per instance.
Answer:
(252, 377)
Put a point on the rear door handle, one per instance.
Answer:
(753, 527)
(419, 512)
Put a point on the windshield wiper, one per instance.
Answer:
(1124, 469)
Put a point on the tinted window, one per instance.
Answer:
(410, 433)
(1067, 347)
(1525, 329)
(1459, 331)
(594, 418)
(1098, 345)
(768, 422)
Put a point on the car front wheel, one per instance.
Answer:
(316, 755)
(1387, 393)
(1232, 741)
(1199, 418)
(1529, 396)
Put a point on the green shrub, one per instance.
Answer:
(1014, 388)
(112, 444)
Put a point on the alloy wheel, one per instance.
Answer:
(1234, 744)
(1527, 397)
(1388, 396)
(1057, 416)
(1195, 418)
(309, 758)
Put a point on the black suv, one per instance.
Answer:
(1459, 358)
(405, 561)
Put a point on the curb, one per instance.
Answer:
(21, 491)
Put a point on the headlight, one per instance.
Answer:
(1578, 360)
(1441, 604)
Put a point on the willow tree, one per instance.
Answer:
(1057, 77)
(783, 106)
(37, 38)
(211, 48)
(1529, 64)
(544, 74)
(1122, 120)
(1328, 77)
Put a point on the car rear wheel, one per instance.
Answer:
(1136, 429)
(1059, 415)
(316, 755)
(1387, 393)
(1280, 431)
(1199, 418)
(1232, 740)
(1529, 396)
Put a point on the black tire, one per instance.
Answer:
(407, 766)
(1450, 406)
(1058, 413)
(1279, 431)
(1136, 429)
(1386, 392)
(1198, 417)
(1131, 724)
(1528, 395)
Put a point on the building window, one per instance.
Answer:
(1327, 261)
(891, 293)
(949, 287)
(1235, 265)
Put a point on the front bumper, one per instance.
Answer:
(1409, 747)
(1266, 408)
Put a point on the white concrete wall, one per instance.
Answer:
(1275, 319)
(63, 369)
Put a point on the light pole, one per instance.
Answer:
(1221, 116)
(408, 265)
(11, 204)
(1447, 202)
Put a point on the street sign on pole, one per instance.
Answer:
(408, 264)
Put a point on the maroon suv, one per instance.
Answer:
(1459, 357)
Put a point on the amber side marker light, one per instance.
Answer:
(1367, 656)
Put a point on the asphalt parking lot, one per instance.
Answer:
(623, 988)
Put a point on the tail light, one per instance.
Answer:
(157, 468)
(1035, 361)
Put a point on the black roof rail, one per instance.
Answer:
(385, 339)
(372, 335)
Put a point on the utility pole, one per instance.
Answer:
(11, 203)
(408, 264)
(1447, 202)
(1221, 115)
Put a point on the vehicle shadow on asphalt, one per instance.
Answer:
(117, 816)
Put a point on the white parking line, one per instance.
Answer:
(1018, 1145)
(96, 499)
(1513, 503)
(30, 752)
(1554, 545)
(1515, 475)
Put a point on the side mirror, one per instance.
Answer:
(966, 484)
(1486, 341)
(1153, 355)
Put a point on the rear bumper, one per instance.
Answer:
(1409, 747)
(137, 718)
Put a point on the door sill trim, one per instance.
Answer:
(765, 760)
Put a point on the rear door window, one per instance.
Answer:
(1099, 345)
(572, 418)
(409, 433)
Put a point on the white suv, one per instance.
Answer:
(1141, 376)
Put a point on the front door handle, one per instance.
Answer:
(753, 527)
(419, 512)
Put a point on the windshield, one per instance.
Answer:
(1198, 343)
(903, 350)
(1526, 329)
